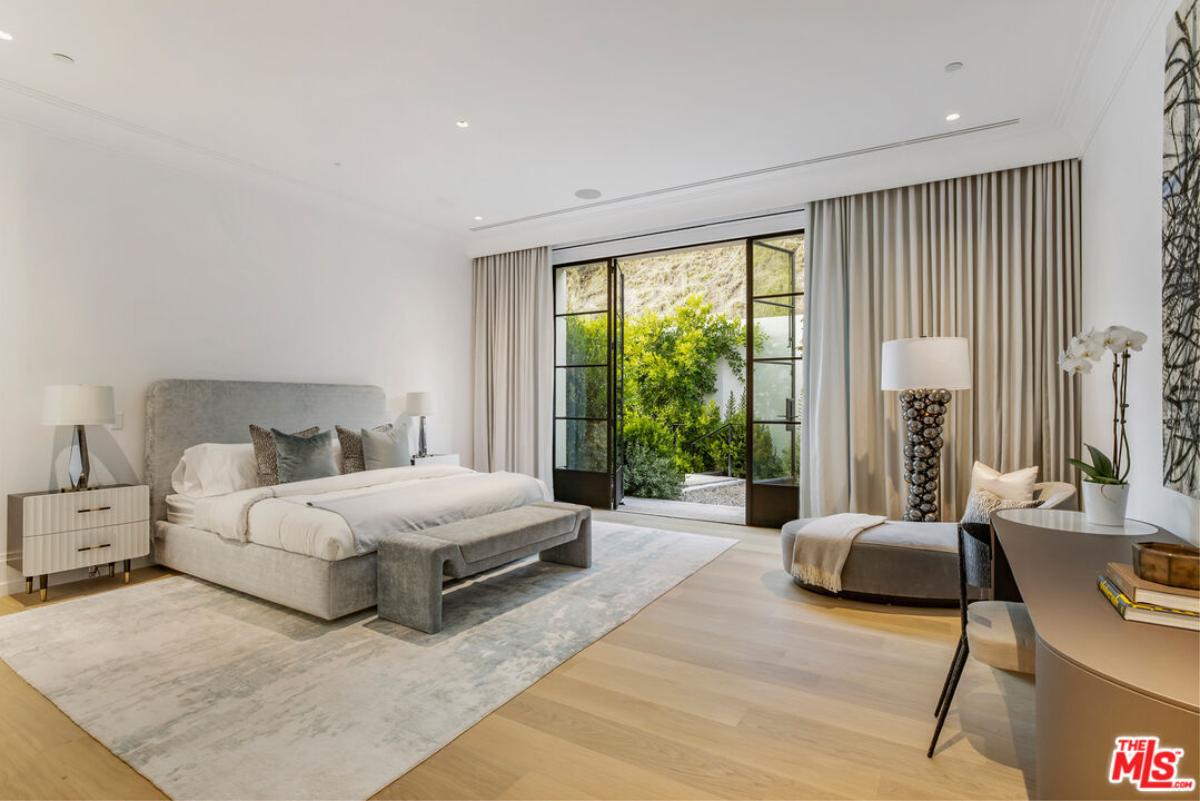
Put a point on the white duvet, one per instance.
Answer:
(280, 517)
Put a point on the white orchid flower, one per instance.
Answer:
(1118, 339)
(1075, 365)
(1087, 345)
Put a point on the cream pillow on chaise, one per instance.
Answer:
(1014, 486)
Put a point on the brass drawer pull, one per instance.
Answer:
(94, 547)
(93, 509)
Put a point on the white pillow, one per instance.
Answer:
(1014, 486)
(214, 468)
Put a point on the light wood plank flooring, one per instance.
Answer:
(735, 684)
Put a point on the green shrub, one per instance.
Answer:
(670, 370)
(650, 474)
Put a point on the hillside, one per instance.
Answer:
(659, 282)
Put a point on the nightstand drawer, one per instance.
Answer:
(66, 550)
(70, 511)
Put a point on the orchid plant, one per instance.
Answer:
(1084, 350)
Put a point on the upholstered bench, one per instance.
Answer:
(907, 563)
(410, 566)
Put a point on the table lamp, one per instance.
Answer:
(924, 370)
(78, 405)
(421, 404)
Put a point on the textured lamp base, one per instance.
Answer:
(924, 413)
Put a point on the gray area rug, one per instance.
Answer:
(212, 694)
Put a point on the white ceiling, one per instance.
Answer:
(626, 96)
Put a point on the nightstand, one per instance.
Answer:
(437, 458)
(49, 532)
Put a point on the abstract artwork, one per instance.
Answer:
(1181, 253)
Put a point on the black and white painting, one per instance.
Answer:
(1181, 254)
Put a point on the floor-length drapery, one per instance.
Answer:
(994, 258)
(514, 362)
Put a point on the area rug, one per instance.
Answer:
(213, 694)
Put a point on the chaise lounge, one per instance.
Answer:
(907, 563)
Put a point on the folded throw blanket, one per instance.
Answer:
(822, 547)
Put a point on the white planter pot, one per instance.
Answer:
(1104, 504)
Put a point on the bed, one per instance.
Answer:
(277, 543)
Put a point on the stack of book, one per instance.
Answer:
(1135, 598)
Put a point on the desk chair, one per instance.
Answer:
(997, 633)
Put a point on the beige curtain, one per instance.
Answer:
(514, 362)
(993, 258)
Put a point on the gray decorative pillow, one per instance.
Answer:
(264, 453)
(382, 449)
(981, 504)
(352, 449)
(300, 458)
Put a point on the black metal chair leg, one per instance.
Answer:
(958, 666)
(937, 710)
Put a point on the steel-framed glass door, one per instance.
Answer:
(588, 376)
(774, 392)
(617, 402)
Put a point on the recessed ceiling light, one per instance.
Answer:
(587, 194)
(6, 36)
(337, 163)
(952, 116)
(463, 124)
(954, 66)
(478, 218)
(63, 57)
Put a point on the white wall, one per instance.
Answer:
(1122, 276)
(120, 270)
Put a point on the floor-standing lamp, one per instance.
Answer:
(78, 405)
(421, 404)
(924, 371)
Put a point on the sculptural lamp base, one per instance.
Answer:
(79, 482)
(923, 412)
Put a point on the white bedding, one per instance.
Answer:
(279, 517)
(181, 509)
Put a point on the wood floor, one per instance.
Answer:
(735, 684)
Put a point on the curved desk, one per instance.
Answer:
(1099, 677)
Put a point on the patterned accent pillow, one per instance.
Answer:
(265, 455)
(352, 450)
(981, 504)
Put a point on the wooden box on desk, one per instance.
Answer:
(52, 531)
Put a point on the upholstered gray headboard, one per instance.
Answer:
(182, 413)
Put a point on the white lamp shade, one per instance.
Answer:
(421, 404)
(926, 363)
(77, 405)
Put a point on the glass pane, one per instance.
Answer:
(581, 339)
(583, 287)
(778, 390)
(779, 327)
(581, 392)
(776, 454)
(581, 445)
(779, 265)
